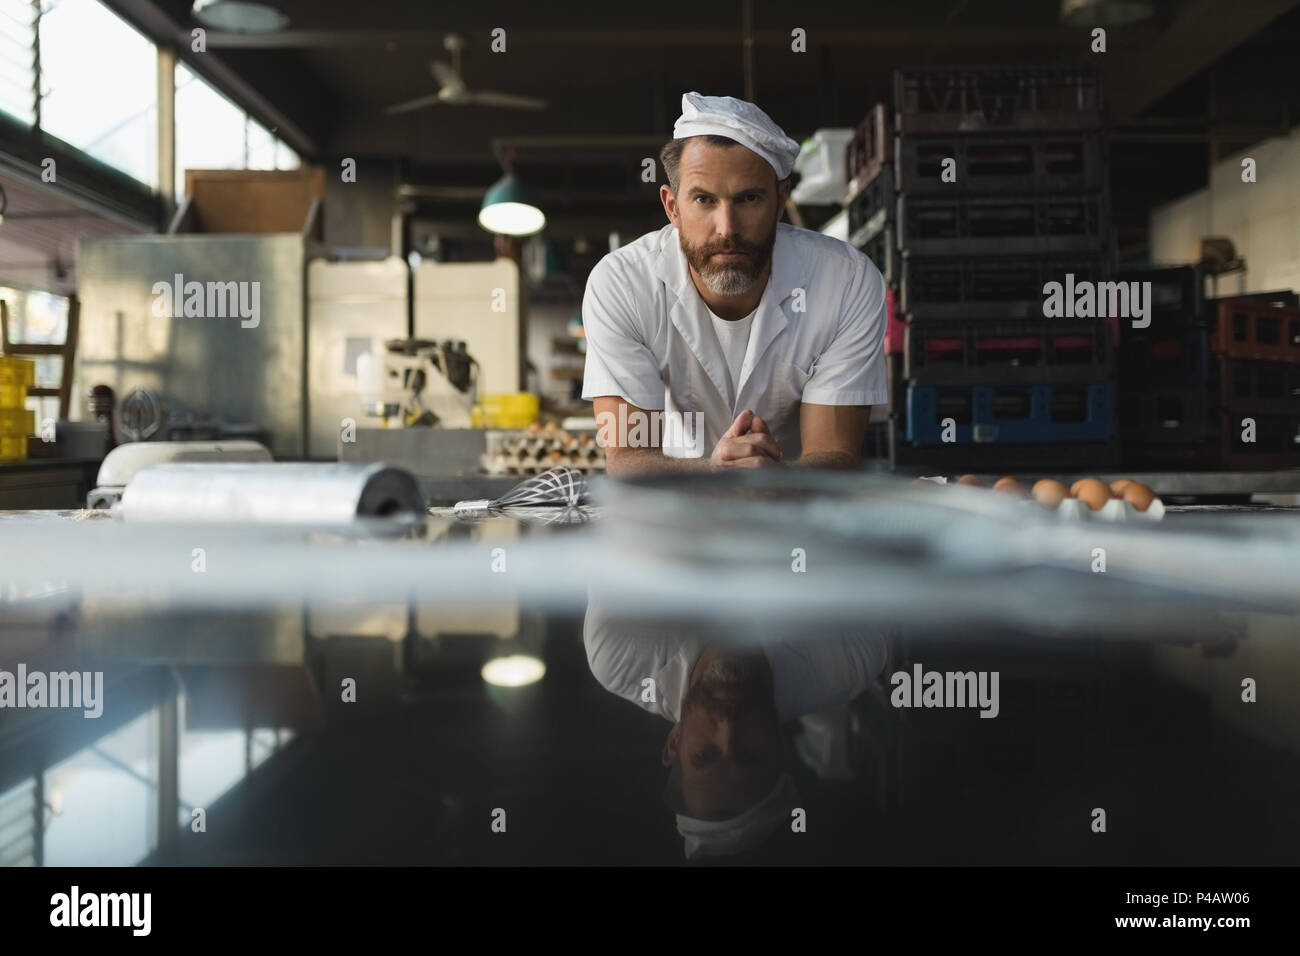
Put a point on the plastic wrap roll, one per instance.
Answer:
(270, 493)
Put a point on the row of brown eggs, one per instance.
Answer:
(1091, 491)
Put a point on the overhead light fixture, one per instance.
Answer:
(239, 16)
(517, 670)
(1089, 14)
(508, 209)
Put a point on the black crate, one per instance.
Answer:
(1008, 163)
(956, 459)
(875, 443)
(996, 98)
(1002, 225)
(883, 251)
(897, 383)
(1177, 292)
(1010, 352)
(1276, 445)
(1007, 286)
(872, 207)
(1165, 355)
(1166, 415)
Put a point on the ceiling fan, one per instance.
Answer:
(453, 91)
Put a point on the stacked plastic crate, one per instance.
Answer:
(17, 422)
(870, 204)
(1210, 383)
(997, 187)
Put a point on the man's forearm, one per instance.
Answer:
(626, 462)
(827, 459)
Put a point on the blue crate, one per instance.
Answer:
(980, 421)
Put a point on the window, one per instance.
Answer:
(214, 133)
(261, 146)
(209, 127)
(18, 59)
(285, 158)
(99, 88)
(95, 87)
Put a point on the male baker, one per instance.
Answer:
(753, 342)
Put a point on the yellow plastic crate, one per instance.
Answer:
(17, 422)
(510, 410)
(13, 447)
(16, 376)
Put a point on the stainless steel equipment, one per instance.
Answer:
(230, 345)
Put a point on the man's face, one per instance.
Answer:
(726, 209)
(728, 738)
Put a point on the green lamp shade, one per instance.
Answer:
(508, 210)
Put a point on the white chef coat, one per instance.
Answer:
(813, 666)
(817, 336)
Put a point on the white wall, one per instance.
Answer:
(1261, 218)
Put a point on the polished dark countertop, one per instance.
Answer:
(364, 731)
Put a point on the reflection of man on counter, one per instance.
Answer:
(727, 753)
(766, 335)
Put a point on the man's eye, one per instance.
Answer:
(701, 198)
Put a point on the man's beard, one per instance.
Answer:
(729, 278)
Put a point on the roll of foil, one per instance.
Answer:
(293, 493)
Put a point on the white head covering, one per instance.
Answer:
(739, 120)
(750, 829)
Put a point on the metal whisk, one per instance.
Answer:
(562, 488)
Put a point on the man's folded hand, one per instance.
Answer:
(747, 444)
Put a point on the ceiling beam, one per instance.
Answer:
(1202, 32)
(668, 38)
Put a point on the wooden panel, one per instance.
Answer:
(253, 200)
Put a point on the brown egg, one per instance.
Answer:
(1092, 492)
(1010, 486)
(1118, 485)
(970, 480)
(1139, 495)
(1049, 493)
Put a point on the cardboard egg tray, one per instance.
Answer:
(530, 453)
(1114, 510)
(1075, 509)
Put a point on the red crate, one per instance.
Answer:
(1250, 386)
(1276, 445)
(870, 149)
(895, 328)
(1249, 330)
